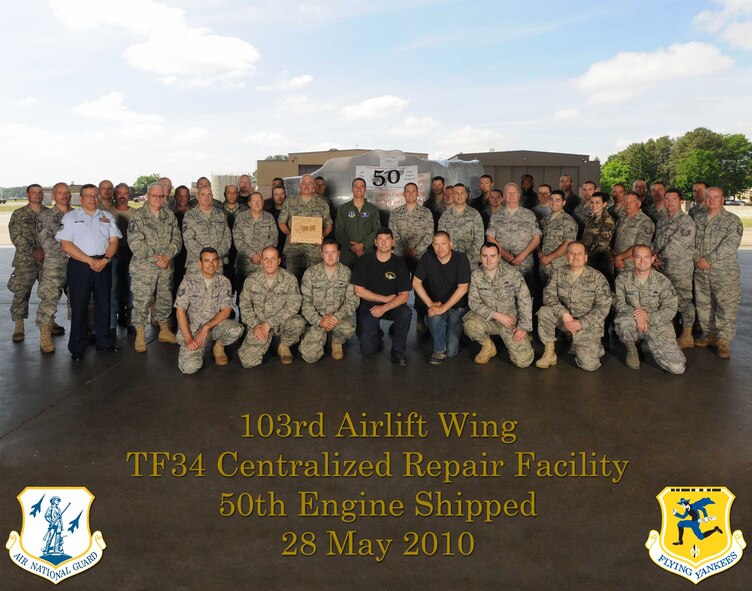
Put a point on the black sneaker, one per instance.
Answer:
(399, 358)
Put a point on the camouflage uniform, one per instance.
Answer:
(232, 256)
(357, 226)
(436, 209)
(588, 299)
(326, 296)
(655, 213)
(514, 231)
(151, 235)
(251, 235)
(278, 305)
(718, 290)
(203, 303)
(658, 298)
(298, 257)
(597, 240)
(25, 237)
(582, 214)
(465, 231)
(554, 231)
(201, 231)
(696, 209)
(411, 229)
(674, 244)
(504, 292)
(55, 268)
(637, 229)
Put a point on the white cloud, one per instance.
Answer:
(27, 101)
(566, 114)
(192, 134)
(294, 83)
(628, 74)
(733, 22)
(301, 105)
(186, 155)
(177, 53)
(415, 127)
(471, 139)
(375, 108)
(111, 107)
(267, 139)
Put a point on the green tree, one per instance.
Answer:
(697, 139)
(142, 182)
(735, 163)
(614, 171)
(278, 157)
(697, 165)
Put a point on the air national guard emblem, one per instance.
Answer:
(696, 539)
(55, 540)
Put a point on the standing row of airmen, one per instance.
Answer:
(155, 241)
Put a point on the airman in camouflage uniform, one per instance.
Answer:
(269, 306)
(674, 244)
(298, 257)
(646, 304)
(558, 229)
(203, 307)
(577, 299)
(516, 231)
(205, 226)
(500, 304)
(55, 268)
(597, 236)
(412, 226)
(632, 228)
(464, 226)
(583, 212)
(329, 302)
(155, 241)
(253, 231)
(29, 257)
(698, 199)
(717, 282)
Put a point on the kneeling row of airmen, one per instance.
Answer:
(577, 300)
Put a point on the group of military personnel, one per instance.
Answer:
(628, 260)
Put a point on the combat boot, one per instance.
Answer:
(549, 356)
(285, 355)
(633, 356)
(709, 340)
(165, 334)
(18, 334)
(337, 351)
(218, 350)
(140, 345)
(57, 330)
(723, 349)
(45, 339)
(485, 354)
(685, 341)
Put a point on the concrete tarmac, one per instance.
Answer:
(66, 424)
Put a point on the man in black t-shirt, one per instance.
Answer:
(441, 281)
(382, 282)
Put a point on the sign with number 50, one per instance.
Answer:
(381, 178)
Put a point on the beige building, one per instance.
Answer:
(545, 167)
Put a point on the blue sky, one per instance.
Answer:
(97, 89)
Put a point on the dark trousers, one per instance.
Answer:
(368, 328)
(82, 283)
